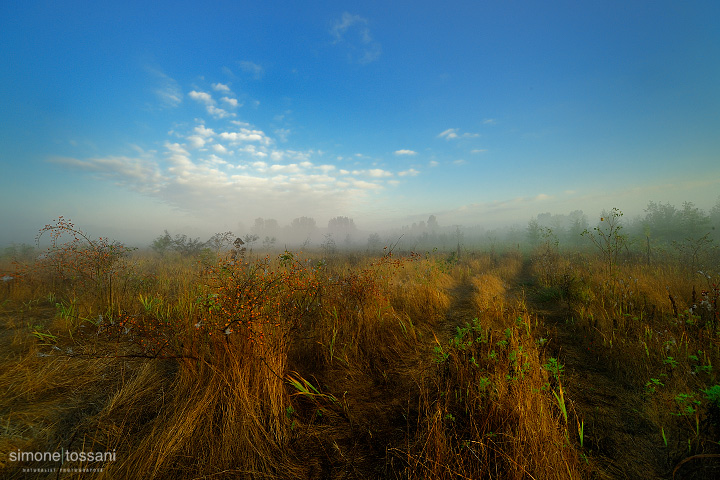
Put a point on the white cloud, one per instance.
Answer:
(449, 134)
(179, 159)
(245, 135)
(230, 101)
(452, 133)
(206, 99)
(282, 134)
(219, 87)
(363, 185)
(433, 163)
(168, 90)
(252, 68)
(203, 131)
(219, 148)
(202, 97)
(489, 121)
(215, 160)
(204, 170)
(140, 174)
(292, 168)
(218, 112)
(353, 30)
(176, 149)
(344, 23)
(479, 150)
(459, 162)
(378, 173)
(328, 168)
(196, 141)
(252, 150)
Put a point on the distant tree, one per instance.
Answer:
(181, 244)
(534, 232)
(22, 252)
(374, 242)
(697, 241)
(269, 241)
(693, 221)
(661, 222)
(432, 223)
(271, 226)
(162, 244)
(249, 239)
(329, 246)
(578, 224)
(186, 246)
(219, 241)
(305, 225)
(715, 219)
(266, 227)
(342, 227)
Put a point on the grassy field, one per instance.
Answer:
(543, 364)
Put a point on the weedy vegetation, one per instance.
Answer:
(591, 360)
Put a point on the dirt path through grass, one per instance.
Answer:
(461, 310)
(619, 440)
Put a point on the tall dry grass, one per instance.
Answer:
(648, 326)
(286, 368)
(488, 411)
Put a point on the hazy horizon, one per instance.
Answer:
(134, 118)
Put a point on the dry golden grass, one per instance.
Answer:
(489, 294)
(337, 373)
(489, 411)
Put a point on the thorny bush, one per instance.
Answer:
(79, 267)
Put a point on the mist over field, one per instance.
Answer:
(144, 118)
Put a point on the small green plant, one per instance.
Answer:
(307, 390)
(554, 367)
(484, 383)
(560, 398)
(653, 384)
(47, 339)
(687, 404)
(712, 395)
(67, 310)
(670, 361)
(440, 354)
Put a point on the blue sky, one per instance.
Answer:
(133, 117)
